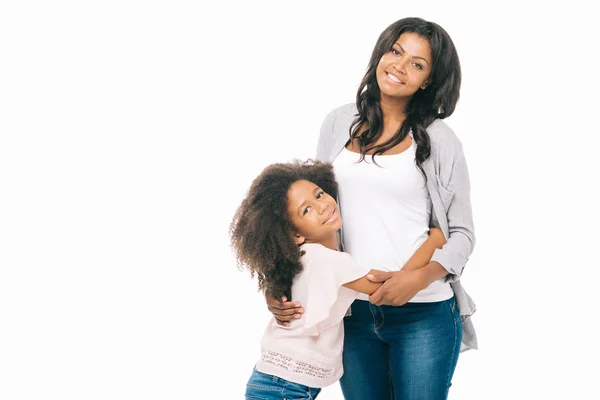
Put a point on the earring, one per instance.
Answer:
(423, 87)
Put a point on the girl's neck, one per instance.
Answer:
(330, 243)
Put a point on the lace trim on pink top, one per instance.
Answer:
(299, 367)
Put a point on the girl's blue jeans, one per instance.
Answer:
(268, 387)
(402, 353)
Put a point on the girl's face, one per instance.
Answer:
(405, 68)
(314, 213)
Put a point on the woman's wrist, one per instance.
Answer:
(430, 273)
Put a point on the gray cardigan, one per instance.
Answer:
(449, 189)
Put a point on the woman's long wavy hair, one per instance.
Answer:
(437, 100)
(262, 233)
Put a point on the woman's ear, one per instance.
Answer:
(299, 239)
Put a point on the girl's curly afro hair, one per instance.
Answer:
(262, 232)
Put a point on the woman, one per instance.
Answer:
(400, 170)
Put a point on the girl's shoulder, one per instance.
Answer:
(318, 253)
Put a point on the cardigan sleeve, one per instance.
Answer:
(456, 193)
(334, 131)
(325, 137)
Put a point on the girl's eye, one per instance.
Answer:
(395, 52)
(306, 210)
(320, 194)
(419, 66)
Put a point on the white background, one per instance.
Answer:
(131, 130)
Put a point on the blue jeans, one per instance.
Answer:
(268, 387)
(402, 353)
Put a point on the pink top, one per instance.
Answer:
(309, 351)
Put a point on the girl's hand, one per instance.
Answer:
(284, 311)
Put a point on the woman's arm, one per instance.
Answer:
(283, 311)
(424, 253)
(454, 254)
(417, 273)
(418, 260)
(450, 179)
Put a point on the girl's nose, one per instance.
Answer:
(323, 207)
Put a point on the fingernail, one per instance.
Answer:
(297, 316)
(370, 276)
(301, 311)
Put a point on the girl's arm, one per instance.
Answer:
(424, 253)
(364, 285)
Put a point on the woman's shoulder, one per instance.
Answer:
(442, 136)
(334, 129)
(439, 131)
(342, 113)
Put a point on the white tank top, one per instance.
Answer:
(386, 211)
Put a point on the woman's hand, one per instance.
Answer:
(401, 286)
(284, 311)
(398, 287)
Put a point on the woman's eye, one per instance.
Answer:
(320, 194)
(419, 66)
(395, 52)
(306, 210)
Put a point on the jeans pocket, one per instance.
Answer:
(296, 393)
(256, 393)
(453, 307)
(453, 304)
(263, 387)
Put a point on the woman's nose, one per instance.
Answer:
(400, 66)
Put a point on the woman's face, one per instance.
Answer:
(405, 67)
(314, 213)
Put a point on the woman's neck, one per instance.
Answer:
(393, 107)
(393, 115)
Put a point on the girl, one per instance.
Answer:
(285, 233)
